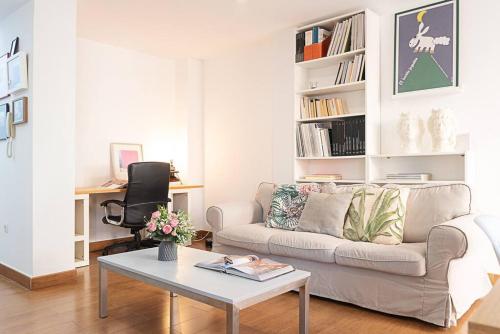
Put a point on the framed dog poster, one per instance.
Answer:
(426, 48)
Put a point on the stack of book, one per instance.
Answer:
(348, 35)
(311, 44)
(312, 108)
(337, 138)
(409, 176)
(351, 70)
(322, 177)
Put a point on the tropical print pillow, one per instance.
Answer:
(287, 204)
(377, 215)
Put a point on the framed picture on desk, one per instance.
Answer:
(123, 155)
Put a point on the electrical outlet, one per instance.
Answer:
(6, 228)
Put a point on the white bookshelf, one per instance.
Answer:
(362, 99)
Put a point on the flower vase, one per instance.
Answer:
(167, 251)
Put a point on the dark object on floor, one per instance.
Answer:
(208, 243)
(147, 189)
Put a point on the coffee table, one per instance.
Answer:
(227, 292)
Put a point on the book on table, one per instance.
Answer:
(249, 266)
(115, 184)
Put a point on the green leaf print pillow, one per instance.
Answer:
(377, 215)
(287, 204)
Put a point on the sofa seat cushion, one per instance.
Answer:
(406, 259)
(254, 237)
(305, 245)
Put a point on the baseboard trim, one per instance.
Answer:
(38, 282)
(100, 245)
(15, 276)
(44, 281)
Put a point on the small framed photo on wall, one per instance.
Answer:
(426, 48)
(4, 76)
(17, 66)
(123, 155)
(20, 110)
(4, 111)
(14, 46)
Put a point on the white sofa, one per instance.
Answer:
(435, 275)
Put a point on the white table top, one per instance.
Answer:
(182, 273)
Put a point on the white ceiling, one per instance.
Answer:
(199, 28)
(9, 6)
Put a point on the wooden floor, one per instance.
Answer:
(135, 307)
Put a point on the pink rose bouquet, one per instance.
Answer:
(170, 226)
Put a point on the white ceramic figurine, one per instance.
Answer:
(411, 129)
(442, 126)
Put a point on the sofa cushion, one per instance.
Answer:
(287, 204)
(430, 205)
(325, 213)
(254, 237)
(264, 196)
(377, 215)
(305, 245)
(404, 259)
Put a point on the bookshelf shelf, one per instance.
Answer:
(330, 60)
(328, 23)
(429, 154)
(325, 181)
(347, 87)
(333, 158)
(329, 118)
(385, 181)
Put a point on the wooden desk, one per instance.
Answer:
(486, 320)
(179, 194)
(101, 190)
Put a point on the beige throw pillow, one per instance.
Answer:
(377, 215)
(325, 213)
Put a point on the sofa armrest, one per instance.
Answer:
(454, 239)
(233, 213)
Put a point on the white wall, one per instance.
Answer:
(124, 96)
(249, 104)
(16, 174)
(189, 103)
(248, 122)
(53, 122)
(36, 202)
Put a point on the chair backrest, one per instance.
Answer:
(147, 188)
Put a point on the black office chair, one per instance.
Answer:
(147, 188)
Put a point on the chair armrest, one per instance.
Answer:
(234, 213)
(113, 201)
(456, 239)
(107, 216)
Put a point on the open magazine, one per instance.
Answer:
(249, 266)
